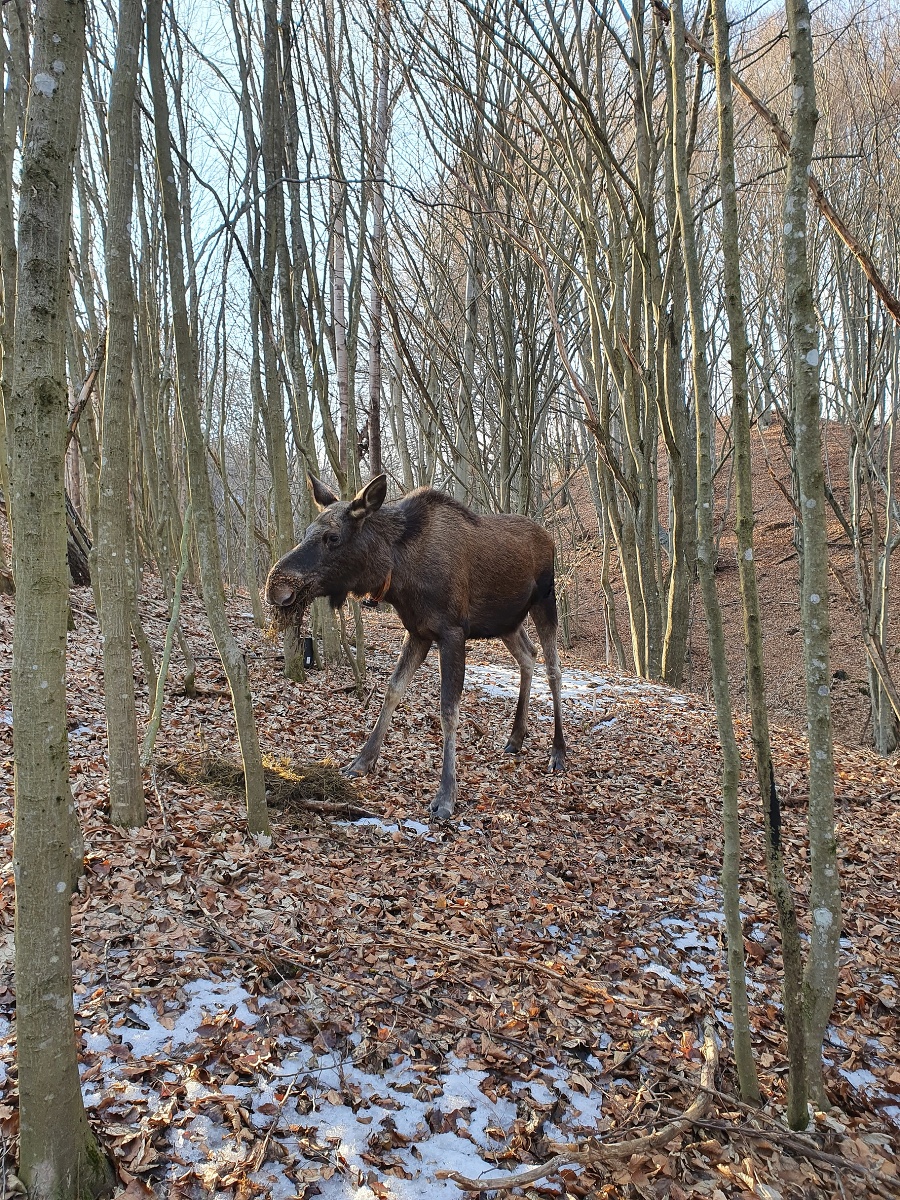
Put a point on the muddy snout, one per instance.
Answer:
(287, 598)
(280, 593)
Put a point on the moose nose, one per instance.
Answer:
(281, 595)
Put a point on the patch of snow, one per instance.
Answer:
(861, 1079)
(206, 997)
(656, 968)
(403, 1097)
(584, 688)
(416, 827)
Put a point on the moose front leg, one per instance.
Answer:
(412, 655)
(453, 673)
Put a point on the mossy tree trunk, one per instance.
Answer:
(58, 1155)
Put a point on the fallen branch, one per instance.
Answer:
(802, 1147)
(596, 1153)
(577, 983)
(87, 388)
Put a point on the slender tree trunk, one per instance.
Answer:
(820, 977)
(259, 615)
(787, 917)
(114, 546)
(273, 410)
(706, 555)
(462, 481)
(233, 660)
(58, 1156)
(379, 163)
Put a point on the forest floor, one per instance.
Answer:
(365, 1003)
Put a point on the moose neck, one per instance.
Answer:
(381, 533)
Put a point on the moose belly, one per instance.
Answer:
(498, 620)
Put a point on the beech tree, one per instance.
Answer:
(58, 1155)
(233, 660)
(115, 567)
(820, 975)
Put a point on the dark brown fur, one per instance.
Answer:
(451, 574)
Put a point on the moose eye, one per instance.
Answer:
(331, 539)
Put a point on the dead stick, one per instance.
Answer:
(576, 983)
(595, 1152)
(87, 388)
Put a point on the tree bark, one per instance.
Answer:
(114, 547)
(706, 556)
(379, 163)
(820, 976)
(58, 1155)
(233, 660)
(787, 918)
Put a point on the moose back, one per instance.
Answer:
(452, 575)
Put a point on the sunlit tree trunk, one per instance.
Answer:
(58, 1156)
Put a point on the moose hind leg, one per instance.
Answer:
(453, 672)
(522, 649)
(546, 623)
(412, 655)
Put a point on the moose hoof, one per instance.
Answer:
(441, 808)
(356, 769)
(512, 747)
(557, 762)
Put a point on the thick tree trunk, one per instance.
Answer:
(58, 1156)
(820, 978)
(114, 546)
(195, 446)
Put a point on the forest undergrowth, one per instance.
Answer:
(560, 940)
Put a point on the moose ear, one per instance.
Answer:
(322, 495)
(370, 499)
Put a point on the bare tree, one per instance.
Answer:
(115, 568)
(195, 445)
(58, 1155)
(820, 976)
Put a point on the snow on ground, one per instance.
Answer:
(586, 689)
(421, 1121)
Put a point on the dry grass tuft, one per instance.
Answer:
(316, 786)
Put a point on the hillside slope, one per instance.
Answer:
(777, 572)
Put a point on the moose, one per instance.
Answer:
(452, 575)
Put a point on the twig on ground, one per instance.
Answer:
(593, 1152)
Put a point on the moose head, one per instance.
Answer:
(337, 556)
